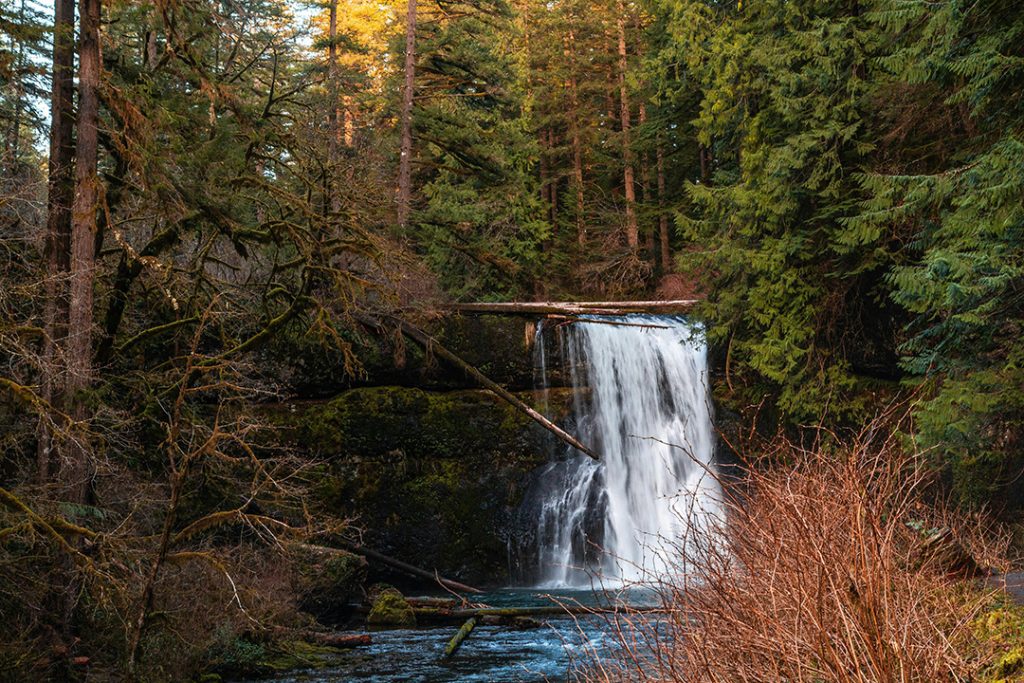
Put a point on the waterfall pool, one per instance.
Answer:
(642, 403)
(492, 654)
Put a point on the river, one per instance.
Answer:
(492, 654)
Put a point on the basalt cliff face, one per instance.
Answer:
(431, 467)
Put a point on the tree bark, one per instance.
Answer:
(552, 184)
(405, 158)
(13, 142)
(57, 242)
(632, 230)
(335, 109)
(545, 174)
(442, 614)
(666, 252)
(457, 640)
(574, 308)
(577, 145)
(645, 189)
(83, 242)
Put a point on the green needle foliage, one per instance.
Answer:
(963, 284)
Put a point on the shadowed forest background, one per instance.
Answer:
(210, 210)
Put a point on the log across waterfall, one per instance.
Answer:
(648, 414)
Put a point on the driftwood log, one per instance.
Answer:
(328, 639)
(516, 613)
(456, 641)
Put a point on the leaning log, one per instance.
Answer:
(575, 307)
(411, 570)
(456, 642)
(431, 345)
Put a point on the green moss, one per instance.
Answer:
(242, 657)
(327, 581)
(999, 635)
(434, 476)
(390, 608)
(1009, 666)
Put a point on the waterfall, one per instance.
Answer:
(641, 401)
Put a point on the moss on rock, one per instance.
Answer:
(326, 582)
(390, 608)
(434, 476)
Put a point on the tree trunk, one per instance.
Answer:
(545, 175)
(645, 189)
(57, 243)
(577, 146)
(335, 109)
(13, 143)
(666, 254)
(574, 308)
(83, 243)
(632, 231)
(151, 54)
(405, 159)
(552, 184)
(349, 125)
(457, 640)
(435, 614)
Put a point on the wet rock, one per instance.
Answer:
(390, 608)
(434, 477)
(327, 581)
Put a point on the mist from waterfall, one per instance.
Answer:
(641, 401)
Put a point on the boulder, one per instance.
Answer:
(390, 608)
(327, 581)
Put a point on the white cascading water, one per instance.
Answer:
(642, 402)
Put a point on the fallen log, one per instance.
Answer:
(329, 639)
(615, 323)
(340, 639)
(429, 601)
(575, 307)
(463, 613)
(410, 569)
(456, 642)
(431, 345)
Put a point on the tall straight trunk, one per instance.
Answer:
(151, 48)
(57, 242)
(335, 109)
(13, 142)
(349, 123)
(405, 158)
(666, 254)
(552, 184)
(632, 230)
(545, 174)
(577, 146)
(645, 189)
(77, 467)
